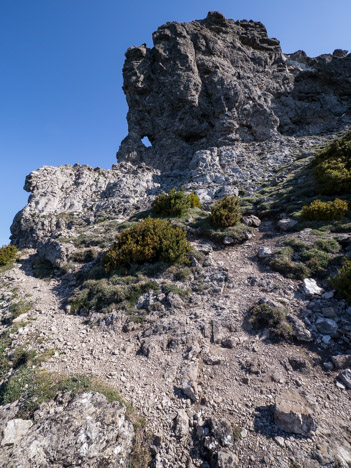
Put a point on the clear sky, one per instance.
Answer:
(61, 62)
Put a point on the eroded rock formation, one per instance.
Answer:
(223, 108)
(215, 82)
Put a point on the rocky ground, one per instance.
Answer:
(206, 383)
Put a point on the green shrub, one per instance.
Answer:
(33, 387)
(226, 212)
(5, 342)
(318, 210)
(332, 167)
(310, 259)
(175, 203)
(282, 262)
(147, 241)
(342, 281)
(8, 254)
(274, 318)
(194, 200)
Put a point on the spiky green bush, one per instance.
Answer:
(331, 210)
(342, 281)
(175, 203)
(226, 212)
(8, 254)
(147, 241)
(332, 167)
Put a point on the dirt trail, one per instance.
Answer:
(227, 389)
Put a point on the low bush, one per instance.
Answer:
(147, 241)
(5, 342)
(8, 254)
(98, 295)
(226, 212)
(300, 260)
(342, 281)
(282, 262)
(175, 203)
(274, 318)
(194, 200)
(332, 167)
(331, 210)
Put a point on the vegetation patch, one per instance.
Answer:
(8, 254)
(300, 260)
(149, 240)
(296, 186)
(263, 316)
(43, 268)
(5, 343)
(342, 281)
(84, 255)
(20, 307)
(172, 288)
(102, 295)
(331, 210)
(226, 212)
(283, 263)
(332, 167)
(175, 203)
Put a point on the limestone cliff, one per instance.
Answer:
(223, 108)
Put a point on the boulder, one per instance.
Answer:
(327, 326)
(345, 378)
(264, 252)
(286, 224)
(227, 459)
(251, 220)
(342, 361)
(311, 288)
(293, 413)
(14, 431)
(85, 430)
(189, 381)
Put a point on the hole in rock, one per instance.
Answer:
(146, 142)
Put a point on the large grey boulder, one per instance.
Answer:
(293, 413)
(83, 431)
(14, 430)
(67, 197)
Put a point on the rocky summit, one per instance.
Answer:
(191, 306)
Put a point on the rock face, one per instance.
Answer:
(66, 196)
(86, 431)
(212, 96)
(214, 82)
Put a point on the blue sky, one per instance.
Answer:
(61, 62)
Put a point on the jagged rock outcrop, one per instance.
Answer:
(214, 82)
(83, 431)
(65, 197)
(219, 102)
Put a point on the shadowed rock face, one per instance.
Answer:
(215, 82)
